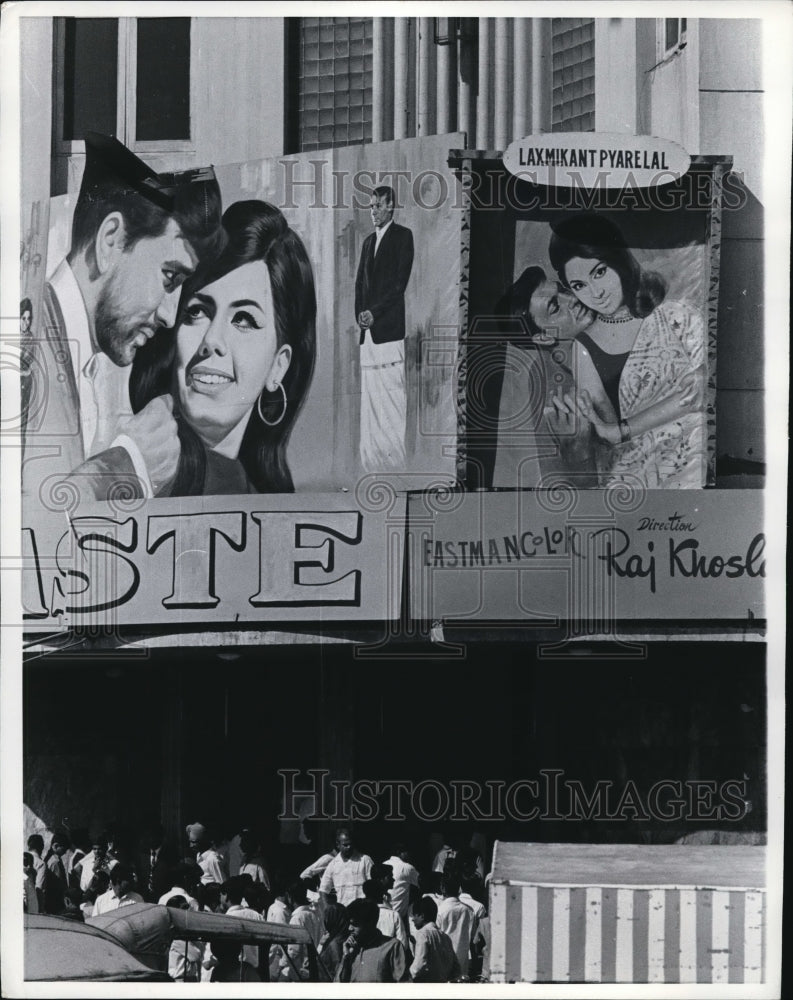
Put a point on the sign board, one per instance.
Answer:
(596, 160)
(545, 556)
(207, 560)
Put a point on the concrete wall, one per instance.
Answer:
(709, 99)
(35, 106)
(615, 62)
(674, 111)
(731, 121)
(238, 73)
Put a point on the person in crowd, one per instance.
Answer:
(227, 966)
(257, 896)
(317, 868)
(347, 872)
(232, 899)
(251, 860)
(383, 874)
(471, 870)
(81, 845)
(55, 880)
(97, 859)
(640, 366)
(72, 898)
(120, 848)
(156, 859)
(208, 897)
(295, 963)
(448, 852)
(184, 957)
(208, 859)
(434, 959)
(388, 920)
(31, 900)
(121, 892)
(36, 850)
(457, 920)
(432, 882)
(97, 887)
(368, 956)
(136, 236)
(404, 875)
(279, 912)
(468, 885)
(331, 947)
(185, 879)
(239, 373)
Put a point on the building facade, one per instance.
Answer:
(246, 89)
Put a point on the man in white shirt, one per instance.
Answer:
(388, 920)
(184, 884)
(278, 913)
(211, 863)
(347, 872)
(405, 875)
(121, 891)
(318, 867)
(232, 898)
(136, 236)
(305, 916)
(435, 960)
(457, 920)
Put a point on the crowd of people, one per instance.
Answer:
(387, 921)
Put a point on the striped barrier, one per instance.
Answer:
(619, 930)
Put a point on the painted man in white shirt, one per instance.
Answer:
(136, 236)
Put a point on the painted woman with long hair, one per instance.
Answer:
(241, 359)
(640, 365)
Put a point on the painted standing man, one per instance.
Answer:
(383, 273)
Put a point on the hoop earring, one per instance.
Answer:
(272, 423)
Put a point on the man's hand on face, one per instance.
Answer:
(366, 319)
(351, 946)
(154, 431)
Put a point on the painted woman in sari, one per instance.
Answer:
(640, 366)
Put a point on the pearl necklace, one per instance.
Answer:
(614, 319)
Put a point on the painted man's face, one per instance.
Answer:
(141, 293)
(557, 312)
(381, 210)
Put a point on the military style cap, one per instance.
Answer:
(106, 158)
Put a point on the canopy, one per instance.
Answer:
(147, 929)
(59, 949)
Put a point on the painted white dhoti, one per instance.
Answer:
(383, 405)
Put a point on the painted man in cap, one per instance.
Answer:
(136, 236)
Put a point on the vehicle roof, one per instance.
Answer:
(58, 949)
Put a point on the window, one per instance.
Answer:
(332, 82)
(671, 35)
(127, 77)
(573, 68)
